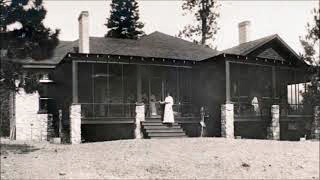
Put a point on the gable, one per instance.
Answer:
(278, 50)
(270, 53)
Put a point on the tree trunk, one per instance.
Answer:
(203, 22)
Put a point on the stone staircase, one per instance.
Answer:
(153, 128)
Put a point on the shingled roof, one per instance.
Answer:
(160, 45)
(156, 44)
(245, 48)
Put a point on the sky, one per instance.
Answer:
(285, 18)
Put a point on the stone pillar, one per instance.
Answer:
(273, 131)
(75, 124)
(227, 121)
(45, 129)
(27, 124)
(315, 128)
(139, 118)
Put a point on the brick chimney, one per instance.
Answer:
(244, 31)
(84, 32)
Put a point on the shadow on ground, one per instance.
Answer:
(16, 148)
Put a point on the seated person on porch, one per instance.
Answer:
(145, 102)
(255, 103)
(168, 111)
(153, 108)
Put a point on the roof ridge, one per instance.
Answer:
(181, 39)
(262, 42)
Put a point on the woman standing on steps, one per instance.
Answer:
(168, 111)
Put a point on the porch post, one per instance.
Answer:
(139, 118)
(274, 83)
(228, 98)
(315, 128)
(75, 124)
(139, 84)
(74, 82)
(274, 129)
(227, 121)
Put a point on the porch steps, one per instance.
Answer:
(153, 128)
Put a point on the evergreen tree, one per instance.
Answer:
(310, 43)
(206, 14)
(124, 20)
(28, 39)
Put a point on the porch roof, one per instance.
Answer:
(245, 48)
(250, 48)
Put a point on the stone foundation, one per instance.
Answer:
(227, 121)
(75, 124)
(273, 131)
(140, 117)
(315, 129)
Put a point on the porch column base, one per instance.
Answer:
(46, 127)
(75, 124)
(139, 118)
(315, 129)
(273, 131)
(227, 121)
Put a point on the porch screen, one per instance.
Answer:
(106, 90)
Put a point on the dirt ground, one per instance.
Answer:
(188, 158)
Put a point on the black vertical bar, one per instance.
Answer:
(122, 89)
(227, 71)
(92, 89)
(108, 90)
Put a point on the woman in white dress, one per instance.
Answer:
(255, 104)
(168, 111)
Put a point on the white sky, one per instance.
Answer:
(286, 18)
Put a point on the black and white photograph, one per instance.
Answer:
(160, 89)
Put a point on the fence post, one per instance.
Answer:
(274, 129)
(203, 132)
(315, 128)
(227, 121)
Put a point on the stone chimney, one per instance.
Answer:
(244, 31)
(84, 32)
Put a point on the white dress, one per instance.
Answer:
(153, 107)
(255, 105)
(168, 111)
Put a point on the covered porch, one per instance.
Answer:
(109, 92)
(254, 87)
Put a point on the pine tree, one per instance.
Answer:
(310, 43)
(29, 39)
(124, 20)
(206, 27)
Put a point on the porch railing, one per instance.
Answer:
(127, 110)
(185, 110)
(179, 110)
(295, 110)
(244, 109)
(264, 109)
(243, 106)
(107, 110)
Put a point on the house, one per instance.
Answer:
(94, 88)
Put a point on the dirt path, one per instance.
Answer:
(189, 158)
